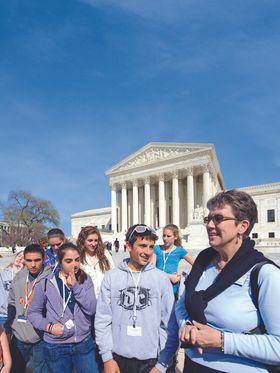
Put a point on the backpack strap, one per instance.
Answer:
(254, 280)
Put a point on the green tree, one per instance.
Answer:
(28, 216)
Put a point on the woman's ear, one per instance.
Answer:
(243, 226)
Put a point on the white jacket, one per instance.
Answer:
(94, 271)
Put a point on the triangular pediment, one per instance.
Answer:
(155, 153)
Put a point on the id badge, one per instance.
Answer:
(22, 319)
(134, 332)
(69, 324)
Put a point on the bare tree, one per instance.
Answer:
(28, 217)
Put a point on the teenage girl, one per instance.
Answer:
(95, 259)
(167, 256)
(68, 301)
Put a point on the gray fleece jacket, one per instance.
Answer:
(22, 331)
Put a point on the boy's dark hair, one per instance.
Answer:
(34, 248)
(139, 230)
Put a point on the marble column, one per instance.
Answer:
(119, 211)
(175, 199)
(153, 207)
(190, 195)
(161, 201)
(135, 202)
(113, 208)
(147, 213)
(206, 186)
(124, 207)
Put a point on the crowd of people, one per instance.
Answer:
(68, 308)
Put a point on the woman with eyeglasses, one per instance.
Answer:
(217, 314)
(168, 256)
(62, 307)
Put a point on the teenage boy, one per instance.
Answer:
(26, 341)
(134, 309)
(56, 238)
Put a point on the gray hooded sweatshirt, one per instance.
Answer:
(115, 312)
(23, 331)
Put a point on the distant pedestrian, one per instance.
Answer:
(116, 245)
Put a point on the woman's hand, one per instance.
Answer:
(188, 334)
(207, 336)
(201, 336)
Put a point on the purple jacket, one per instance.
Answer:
(47, 296)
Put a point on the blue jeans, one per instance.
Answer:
(62, 357)
(22, 352)
(3, 320)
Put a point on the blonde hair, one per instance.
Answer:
(12, 263)
(176, 233)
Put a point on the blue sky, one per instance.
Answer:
(84, 84)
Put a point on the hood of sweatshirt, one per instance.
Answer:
(123, 266)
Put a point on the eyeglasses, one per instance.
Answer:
(217, 219)
(141, 229)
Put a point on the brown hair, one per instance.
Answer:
(242, 204)
(100, 250)
(56, 232)
(81, 276)
(176, 232)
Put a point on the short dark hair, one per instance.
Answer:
(34, 248)
(242, 204)
(132, 234)
(56, 232)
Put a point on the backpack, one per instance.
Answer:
(255, 295)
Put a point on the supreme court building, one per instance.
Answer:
(165, 183)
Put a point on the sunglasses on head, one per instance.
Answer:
(141, 229)
(217, 219)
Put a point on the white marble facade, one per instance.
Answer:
(165, 183)
(159, 184)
